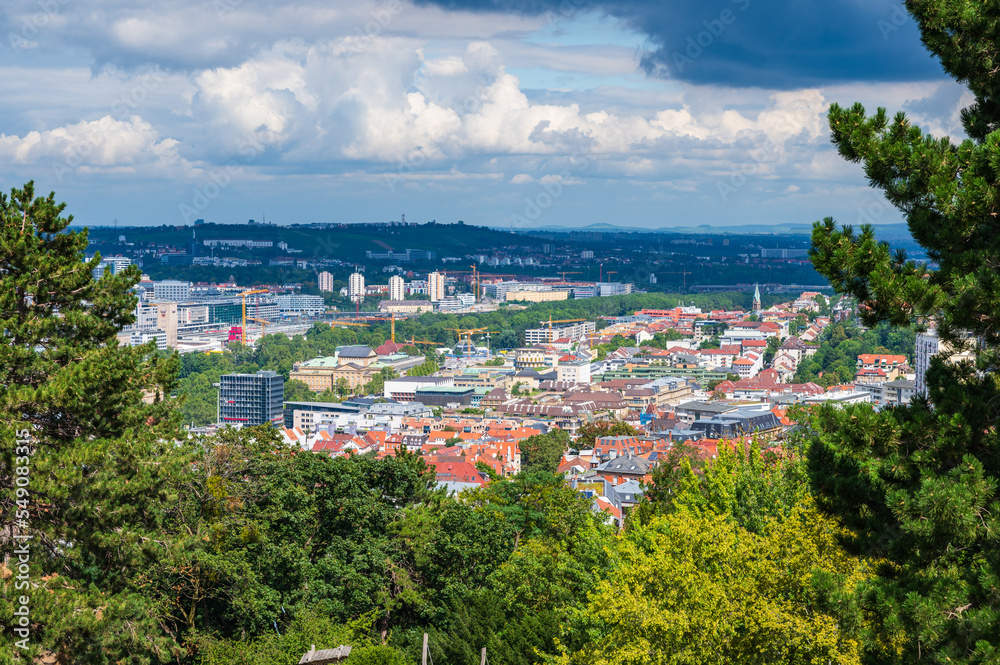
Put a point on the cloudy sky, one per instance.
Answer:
(502, 112)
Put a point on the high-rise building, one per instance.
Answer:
(397, 288)
(167, 321)
(356, 286)
(251, 399)
(435, 286)
(325, 281)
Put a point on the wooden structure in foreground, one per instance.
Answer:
(324, 656)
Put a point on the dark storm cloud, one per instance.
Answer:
(760, 43)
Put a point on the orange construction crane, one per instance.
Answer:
(568, 272)
(243, 331)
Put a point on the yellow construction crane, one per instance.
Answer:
(468, 332)
(263, 325)
(243, 330)
(414, 342)
(475, 283)
(392, 327)
(550, 321)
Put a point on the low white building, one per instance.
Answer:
(574, 372)
(293, 304)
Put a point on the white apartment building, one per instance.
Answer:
(397, 288)
(325, 281)
(115, 264)
(172, 290)
(356, 286)
(928, 344)
(300, 304)
(435, 286)
(577, 332)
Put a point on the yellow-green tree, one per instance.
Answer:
(695, 587)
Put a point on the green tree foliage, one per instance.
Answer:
(543, 452)
(773, 343)
(918, 484)
(589, 433)
(730, 562)
(840, 345)
(692, 588)
(427, 368)
(92, 511)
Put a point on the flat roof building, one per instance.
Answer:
(251, 399)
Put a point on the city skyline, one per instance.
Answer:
(517, 115)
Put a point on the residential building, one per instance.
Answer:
(529, 358)
(325, 281)
(536, 296)
(114, 264)
(397, 288)
(928, 344)
(574, 372)
(435, 286)
(356, 286)
(405, 306)
(251, 399)
(576, 332)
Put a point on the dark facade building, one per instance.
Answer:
(251, 399)
(444, 395)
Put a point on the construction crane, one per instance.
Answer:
(392, 327)
(475, 283)
(243, 330)
(679, 272)
(468, 332)
(568, 272)
(263, 325)
(414, 342)
(550, 321)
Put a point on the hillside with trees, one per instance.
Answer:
(836, 359)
